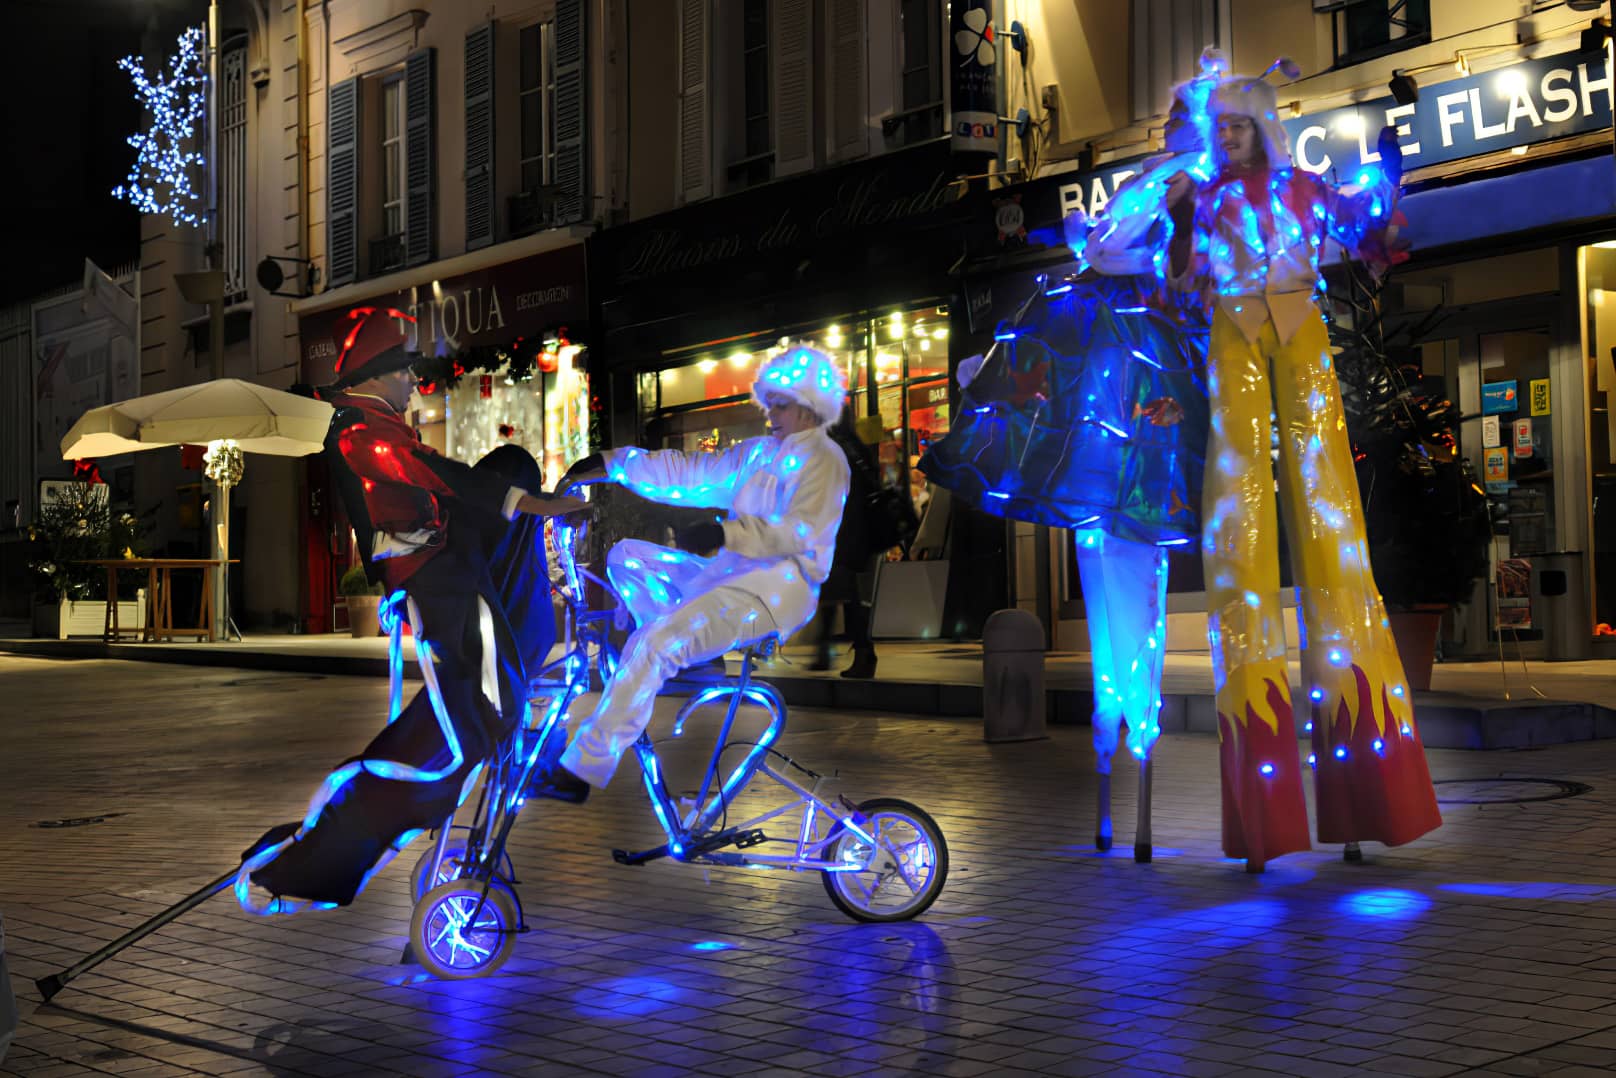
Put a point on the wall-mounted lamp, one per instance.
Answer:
(1018, 37)
(1403, 87)
(1022, 121)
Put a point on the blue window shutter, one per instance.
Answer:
(480, 137)
(419, 188)
(571, 112)
(342, 183)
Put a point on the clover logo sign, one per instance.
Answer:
(976, 39)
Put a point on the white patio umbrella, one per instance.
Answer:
(227, 415)
(256, 418)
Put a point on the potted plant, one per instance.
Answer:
(1425, 515)
(75, 527)
(364, 600)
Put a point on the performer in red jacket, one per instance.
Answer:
(438, 530)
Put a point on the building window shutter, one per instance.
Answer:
(571, 112)
(480, 137)
(1167, 37)
(418, 157)
(695, 123)
(342, 183)
(847, 96)
(791, 50)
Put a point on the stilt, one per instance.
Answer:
(49, 986)
(1141, 834)
(1351, 854)
(1102, 815)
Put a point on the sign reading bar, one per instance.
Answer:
(1528, 102)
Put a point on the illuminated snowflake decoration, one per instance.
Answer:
(159, 182)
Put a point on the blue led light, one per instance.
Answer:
(1340, 752)
(1266, 769)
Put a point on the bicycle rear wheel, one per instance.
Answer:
(898, 876)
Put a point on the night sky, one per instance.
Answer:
(69, 109)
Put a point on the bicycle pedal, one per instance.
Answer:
(753, 837)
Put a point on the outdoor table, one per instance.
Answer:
(159, 598)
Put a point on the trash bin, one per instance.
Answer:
(1559, 593)
(1013, 704)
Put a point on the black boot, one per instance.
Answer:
(863, 664)
(821, 659)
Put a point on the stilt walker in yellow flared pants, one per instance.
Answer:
(1253, 245)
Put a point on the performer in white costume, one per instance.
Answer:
(731, 582)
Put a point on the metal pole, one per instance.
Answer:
(49, 986)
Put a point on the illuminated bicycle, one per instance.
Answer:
(880, 860)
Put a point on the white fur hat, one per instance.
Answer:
(1255, 98)
(806, 375)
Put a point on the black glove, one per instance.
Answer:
(594, 462)
(703, 538)
(1391, 155)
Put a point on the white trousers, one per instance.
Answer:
(687, 609)
(1125, 593)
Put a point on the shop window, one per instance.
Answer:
(547, 413)
(1599, 335)
(1365, 29)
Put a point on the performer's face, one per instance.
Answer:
(394, 388)
(786, 416)
(1237, 137)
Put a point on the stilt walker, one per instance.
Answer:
(1249, 240)
(1090, 414)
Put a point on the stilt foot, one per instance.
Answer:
(1141, 853)
(1255, 866)
(1102, 842)
(407, 958)
(1351, 854)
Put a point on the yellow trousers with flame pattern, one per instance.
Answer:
(1370, 773)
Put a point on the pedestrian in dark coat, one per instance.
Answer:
(853, 560)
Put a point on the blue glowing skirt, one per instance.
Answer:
(1093, 414)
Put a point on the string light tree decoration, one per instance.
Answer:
(160, 182)
(224, 463)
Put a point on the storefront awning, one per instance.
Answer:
(1531, 200)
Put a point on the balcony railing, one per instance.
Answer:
(387, 253)
(532, 211)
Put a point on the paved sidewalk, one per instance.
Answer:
(1470, 705)
(1485, 948)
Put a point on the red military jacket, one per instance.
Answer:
(409, 489)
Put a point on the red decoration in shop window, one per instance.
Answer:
(485, 386)
(506, 430)
(548, 362)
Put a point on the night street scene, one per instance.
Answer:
(808, 537)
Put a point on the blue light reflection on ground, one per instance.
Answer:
(1540, 891)
(628, 996)
(711, 945)
(1384, 905)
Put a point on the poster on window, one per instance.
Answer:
(972, 89)
(1514, 594)
(86, 354)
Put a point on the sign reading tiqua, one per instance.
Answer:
(972, 89)
(491, 306)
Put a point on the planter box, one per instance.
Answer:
(86, 617)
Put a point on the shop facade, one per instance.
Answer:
(1505, 307)
(855, 260)
(506, 348)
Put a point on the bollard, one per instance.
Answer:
(1013, 703)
